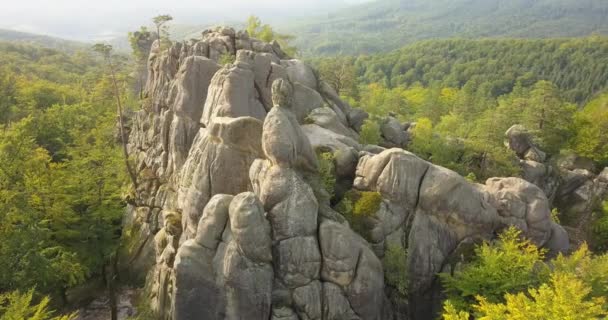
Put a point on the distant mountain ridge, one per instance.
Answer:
(41, 40)
(388, 24)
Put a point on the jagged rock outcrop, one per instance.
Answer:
(430, 210)
(231, 221)
(571, 183)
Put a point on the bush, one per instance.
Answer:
(600, 229)
(357, 207)
(510, 265)
(226, 58)
(327, 171)
(395, 259)
(564, 297)
(370, 132)
(16, 306)
(568, 287)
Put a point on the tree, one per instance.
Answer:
(591, 123)
(340, 74)
(508, 266)
(159, 22)
(549, 116)
(266, 33)
(141, 43)
(106, 51)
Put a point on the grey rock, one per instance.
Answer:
(232, 93)
(298, 71)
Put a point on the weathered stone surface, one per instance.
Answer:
(517, 199)
(335, 304)
(227, 277)
(298, 71)
(439, 209)
(232, 93)
(308, 301)
(218, 164)
(394, 133)
(250, 229)
(326, 118)
(520, 141)
(298, 261)
(283, 141)
(324, 139)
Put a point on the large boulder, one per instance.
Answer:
(436, 209)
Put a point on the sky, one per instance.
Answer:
(102, 19)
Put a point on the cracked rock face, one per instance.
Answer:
(230, 220)
(435, 210)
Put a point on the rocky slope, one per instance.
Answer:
(230, 219)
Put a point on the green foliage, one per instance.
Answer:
(61, 172)
(600, 228)
(340, 74)
(564, 297)
(367, 204)
(525, 286)
(451, 313)
(266, 33)
(162, 30)
(395, 273)
(495, 67)
(19, 306)
(370, 132)
(511, 265)
(390, 24)
(591, 139)
(555, 215)
(357, 207)
(226, 58)
(327, 170)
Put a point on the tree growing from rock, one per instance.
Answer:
(160, 22)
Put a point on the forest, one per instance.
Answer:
(64, 184)
(465, 94)
(62, 176)
(385, 25)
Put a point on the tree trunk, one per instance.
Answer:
(121, 125)
(111, 283)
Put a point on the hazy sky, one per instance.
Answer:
(87, 19)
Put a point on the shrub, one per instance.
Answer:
(510, 265)
(226, 58)
(451, 313)
(395, 259)
(555, 215)
(327, 170)
(564, 297)
(370, 132)
(357, 207)
(16, 305)
(600, 229)
(367, 204)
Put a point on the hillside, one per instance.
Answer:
(40, 40)
(578, 67)
(388, 24)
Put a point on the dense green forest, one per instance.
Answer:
(464, 95)
(578, 67)
(61, 174)
(389, 24)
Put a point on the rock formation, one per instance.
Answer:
(230, 220)
(572, 184)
